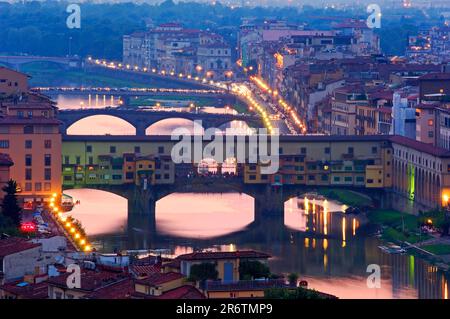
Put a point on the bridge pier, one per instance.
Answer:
(142, 202)
(140, 130)
(269, 202)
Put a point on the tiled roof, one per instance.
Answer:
(156, 279)
(420, 146)
(119, 290)
(15, 245)
(27, 290)
(223, 255)
(90, 279)
(183, 292)
(140, 270)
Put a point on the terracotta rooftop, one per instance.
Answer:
(91, 280)
(420, 146)
(145, 270)
(223, 255)
(183, 292)
(157, 279)
(15, 245)
(25, 290)
(119, 290)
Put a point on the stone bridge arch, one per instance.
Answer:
(73, 120)
(142, 120)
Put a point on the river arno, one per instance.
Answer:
(327, 248)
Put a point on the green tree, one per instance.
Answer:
(203, 271)
(251, 269)
(10, 206)
(293, 278)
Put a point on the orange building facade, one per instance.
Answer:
(30, 135)
(12, 82)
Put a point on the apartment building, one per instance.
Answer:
(170, 47)
(29, 135)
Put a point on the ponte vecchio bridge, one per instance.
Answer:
(141, 168)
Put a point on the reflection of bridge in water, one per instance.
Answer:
(142, 119)
(269, 200)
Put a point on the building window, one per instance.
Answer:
(91, 160)
(48, 160)
(78, 160)
(28, 144)
(311, 177)
(47, 187)
(89, 148)
(28, 175)
(252, 177)
(348, 179)
(166, 176)
(350, 150)
(129, 175)
(66, 160)
(137, 149)
(430, 133)
(28, 160)
(48, 144)
(160, 149)
(28, 129)
(327, 150)
(303, 150)
(38, 187)
(4, 144)
(47, 174)
(112, 149)
(28, 187)
(374, 150)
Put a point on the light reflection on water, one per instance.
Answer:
(223, 222)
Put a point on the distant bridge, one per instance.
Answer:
(221, 97)
(15, 61)
(142, 119)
